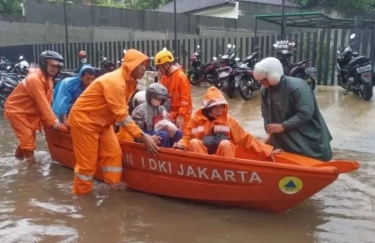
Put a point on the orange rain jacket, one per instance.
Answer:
(28, 105)
(179, 91)
(105, 101)
(200, 126)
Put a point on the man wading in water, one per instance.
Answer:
(291, 114)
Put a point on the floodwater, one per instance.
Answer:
(36, 204)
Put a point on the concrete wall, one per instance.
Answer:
(16, 33)
(41, 12)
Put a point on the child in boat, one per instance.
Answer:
(213, 131)
(153, 119)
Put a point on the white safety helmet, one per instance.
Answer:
(269, 68)
(139, 98)
(24, 64)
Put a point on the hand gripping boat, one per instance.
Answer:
(241, 182)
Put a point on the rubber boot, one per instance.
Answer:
(19, 153)
(29, 156)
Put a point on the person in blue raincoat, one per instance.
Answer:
(69, 90)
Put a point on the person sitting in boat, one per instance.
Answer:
(91, 120)
(173, 77)
(291, 114)
(30, 104)
(69, 90)
(152, 117)
(213, 131)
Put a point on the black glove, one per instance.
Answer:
(211, 142)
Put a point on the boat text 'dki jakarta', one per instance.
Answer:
(244, 181)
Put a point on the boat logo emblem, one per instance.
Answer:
(290, 185)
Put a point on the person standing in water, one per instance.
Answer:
(30, 104)
(104, 103)
(291, 114)
(174, 79)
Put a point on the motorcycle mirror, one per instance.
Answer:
(229, 45)
(338, 52)
(198, 46)
(237, 59)
(275, 45)
(234, 46)
(352, 36)
(21, 57)
(214, 58)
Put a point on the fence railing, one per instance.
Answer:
(320, 47)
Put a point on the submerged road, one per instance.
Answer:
(36, 204)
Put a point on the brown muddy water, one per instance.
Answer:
(36, 204)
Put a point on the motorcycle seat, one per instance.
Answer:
(204, 65)
(243, 68)
(301, 62)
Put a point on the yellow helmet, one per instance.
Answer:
(163, 56)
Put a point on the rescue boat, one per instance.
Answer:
(238, 182)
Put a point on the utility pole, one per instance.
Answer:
(66, 29)
(175, 29)
(283, 20)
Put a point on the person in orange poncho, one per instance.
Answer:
(213, 131)
(91, 120)
(179, 104)
(30, 103)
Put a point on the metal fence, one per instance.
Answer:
(319, 46)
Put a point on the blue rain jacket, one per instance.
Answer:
(67, 92)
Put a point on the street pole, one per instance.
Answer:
(283, 20)
(175, 29)
(66, 29)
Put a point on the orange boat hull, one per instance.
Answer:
(240, 182)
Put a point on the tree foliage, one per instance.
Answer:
(346, 6)
(11, 7)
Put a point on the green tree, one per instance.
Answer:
(11, 7)
(346, 6)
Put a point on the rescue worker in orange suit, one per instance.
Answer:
(179, 104)
(30, 103)
(91, 120)
(213, 131)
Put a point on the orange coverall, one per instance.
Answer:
(28, 105)
(101, 105)
(179, 90)
(201, 126)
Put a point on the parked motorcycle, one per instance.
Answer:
(20, 68)
(250, 60)
(302, 69)
(232, 77)
(5, 64)
(355, 73)
(203, 72)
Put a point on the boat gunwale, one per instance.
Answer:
(240, 161)
(234, 161)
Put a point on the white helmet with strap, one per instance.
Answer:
(269, 68)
